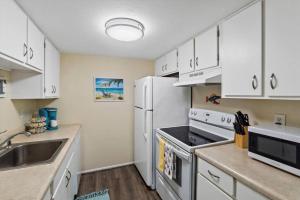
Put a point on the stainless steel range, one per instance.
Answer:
(206, 128)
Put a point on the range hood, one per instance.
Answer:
(207, 76)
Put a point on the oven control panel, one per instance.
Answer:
(212, 117)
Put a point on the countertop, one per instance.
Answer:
(31, 183)
(267, 180)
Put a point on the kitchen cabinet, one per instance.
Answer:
(186, 57)
(245, 193)
(282, 48)
(30, 85)
(241, 53)
(65, 183)
(36, 39)
(207, 49)
(166, 64)
(52, 70)
(207, 190)
(13, 31)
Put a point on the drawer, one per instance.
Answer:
(216, 176)
(245, 193)
(207, 190)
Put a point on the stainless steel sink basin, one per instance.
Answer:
(28, 154)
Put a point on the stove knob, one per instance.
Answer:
(223, 119)
(228, 120)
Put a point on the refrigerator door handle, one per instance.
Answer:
(145, 125)
(145, 97)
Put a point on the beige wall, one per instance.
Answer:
(107, 127)
(258, 110)
(13, 113)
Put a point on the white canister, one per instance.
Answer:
(53, 123)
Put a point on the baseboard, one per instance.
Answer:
(105, 168)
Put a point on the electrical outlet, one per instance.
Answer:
(280, 119)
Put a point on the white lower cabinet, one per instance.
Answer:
(245, 193)
(65, 183)
(214, 184)
(208, 191)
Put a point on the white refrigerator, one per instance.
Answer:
(157, 104)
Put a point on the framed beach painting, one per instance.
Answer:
(108, 89)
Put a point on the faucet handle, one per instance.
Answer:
(3, 132)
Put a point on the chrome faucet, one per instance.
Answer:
(6, 144)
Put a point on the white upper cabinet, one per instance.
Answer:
(282, 64)
(207, 49)
(166, 64)
(241, 53)
(186, 57)
(13, 31)
(35, 46)
(52, 70)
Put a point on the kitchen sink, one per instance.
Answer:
(33, 153)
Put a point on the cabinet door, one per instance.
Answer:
(241, 53)
(245, 193)
(71, 178)
(35, 46)
(13, 31)
(282, 48)
(60, 192)
(206, 190)
(207, 49)
(171, 63)
(186, 57)
(52, 70)
(160, 66)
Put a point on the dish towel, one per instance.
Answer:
(161, 163)
(170, 162)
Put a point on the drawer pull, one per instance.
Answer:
(213, 176)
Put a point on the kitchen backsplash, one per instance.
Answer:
(13, 113)
(258, 110)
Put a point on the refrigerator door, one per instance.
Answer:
(170, 104)
(143, 143)
(143, 93)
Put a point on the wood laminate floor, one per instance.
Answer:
(124, 183)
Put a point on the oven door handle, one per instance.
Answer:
(178, 152)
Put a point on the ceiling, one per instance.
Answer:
(77, 26)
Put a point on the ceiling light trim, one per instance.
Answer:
(125, 22)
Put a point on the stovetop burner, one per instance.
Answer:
(192, 136)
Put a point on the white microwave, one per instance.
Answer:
(278, 146)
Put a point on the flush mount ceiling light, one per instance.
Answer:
(124, 29)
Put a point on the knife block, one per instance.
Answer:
(241, 141)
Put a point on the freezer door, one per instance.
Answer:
(143, 93)
(170, 104)
(143, 143)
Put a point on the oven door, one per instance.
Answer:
(279, 150)
(182, 185)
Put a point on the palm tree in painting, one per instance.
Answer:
(115, 81)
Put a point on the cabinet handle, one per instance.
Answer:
(166, 67)
(25, 50)
(254, 82)
(214, 177)
(54, 89)
(68, 178)
(191, 63)
(31, 53)
(273, 81)
(196, 61)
